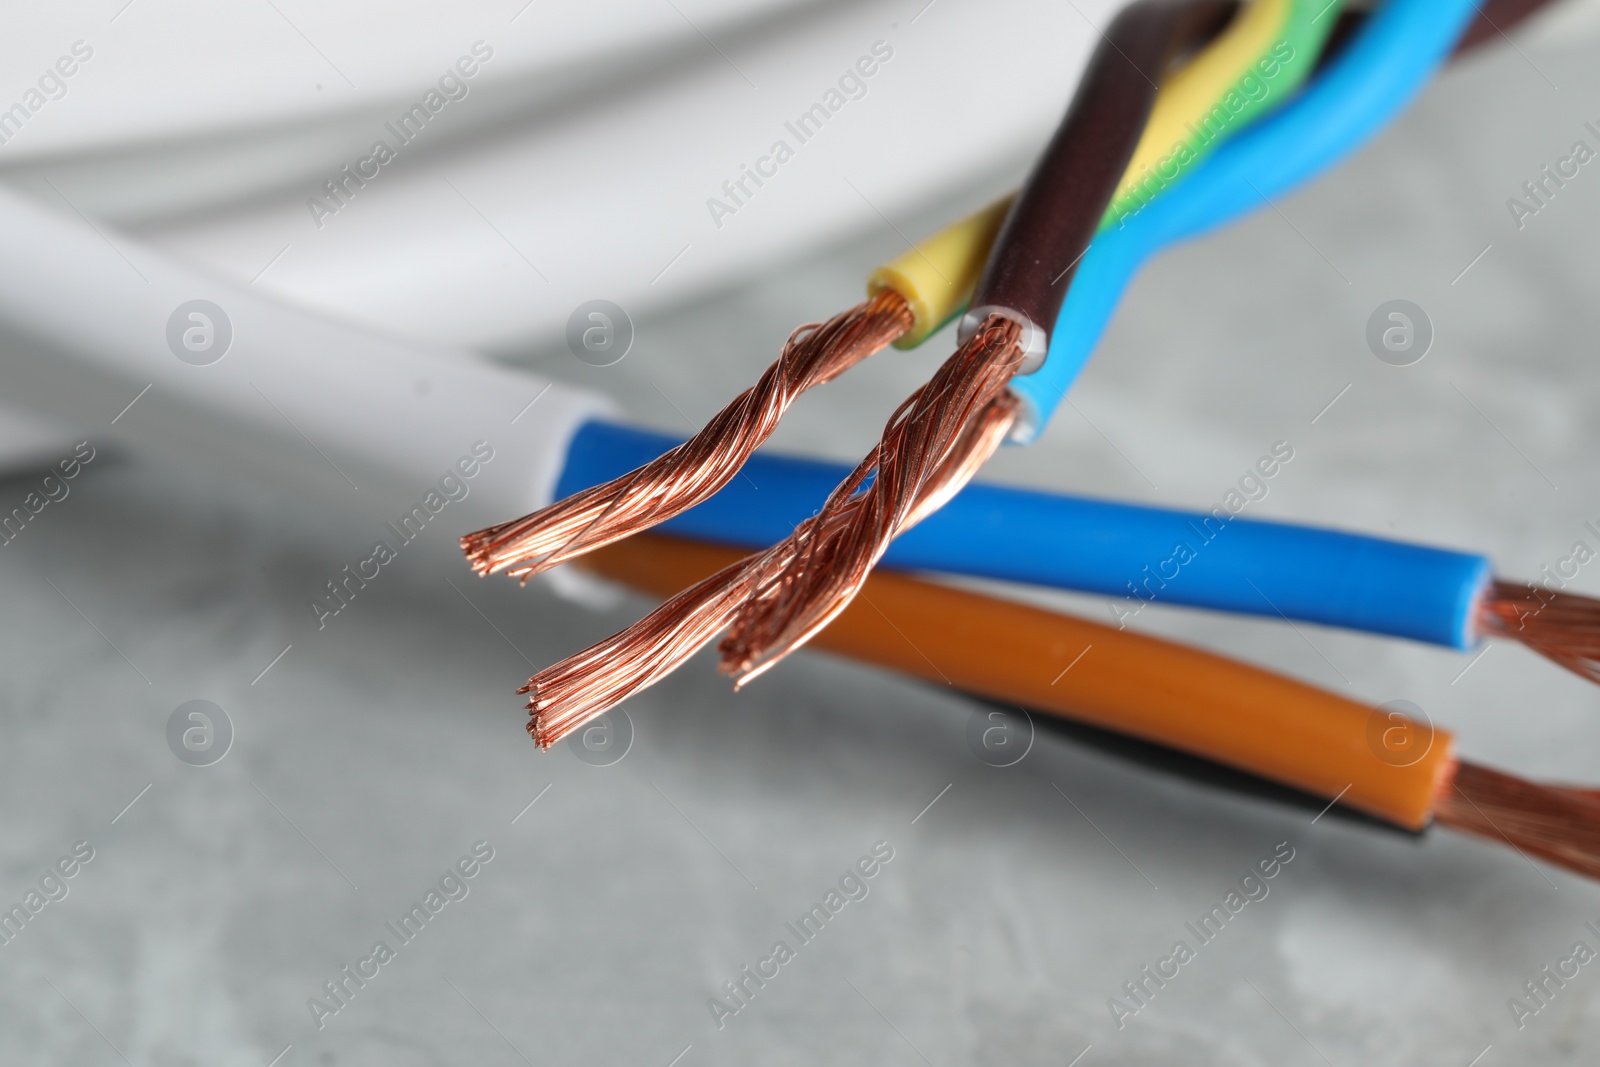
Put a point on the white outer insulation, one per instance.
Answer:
(489, 238)
(311, 404)
(183, 68)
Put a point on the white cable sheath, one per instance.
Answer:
(489, 233)
(177, 69)
(306, 402)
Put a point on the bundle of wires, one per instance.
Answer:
(1401, 771)
(1083, 189)
(1121, 99)
(909, 299)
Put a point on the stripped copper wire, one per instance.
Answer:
(569, 694)
(1562, 627)
(1555, 823)
(695, 470)
(919, 466)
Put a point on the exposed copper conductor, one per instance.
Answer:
(1562, 627)
(1555, 823)
(695, 470)
(919, 467)
(569, 694)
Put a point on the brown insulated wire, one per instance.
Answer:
(1047, 230)
(1060, 206)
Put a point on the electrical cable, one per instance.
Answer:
(1064, 198)
(1215, 559)
(936, 454)
(280, 380)
(908, 298)
(1399, 770)
(934, 279)
(407, 256)
(176, 363)
(1052, 220)
(1382, 69)
(291, 377)
(1367, 81)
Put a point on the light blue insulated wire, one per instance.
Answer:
(1135, 554)
(1363, 88)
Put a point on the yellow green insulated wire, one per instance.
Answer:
(1266, 52)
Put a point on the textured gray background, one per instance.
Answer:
(616, 905)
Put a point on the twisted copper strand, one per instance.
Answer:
(833, 557)
(695, 470)
(1562, 627)
(569, 694)
(1558, 824)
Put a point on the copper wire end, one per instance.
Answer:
(951, 440)
(1556, 823)
(571, 693)
(932, 446)
(582, 687)
(1562, 627)
(695, 470)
